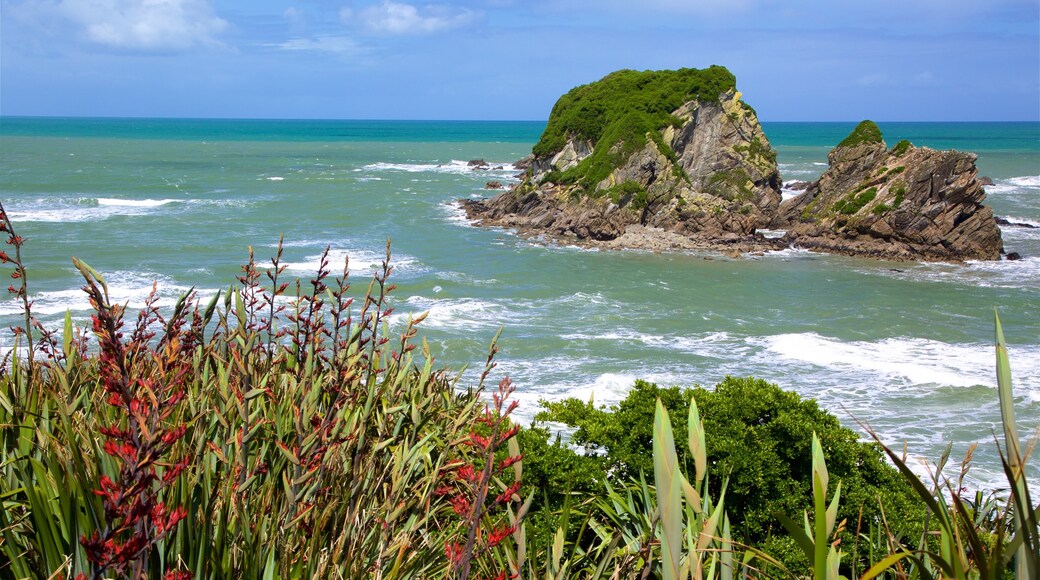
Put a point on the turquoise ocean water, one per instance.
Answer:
(904, 347)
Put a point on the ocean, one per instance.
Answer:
(906, 348)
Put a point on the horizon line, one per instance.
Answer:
(414, 120)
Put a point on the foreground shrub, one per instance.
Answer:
(759, 437)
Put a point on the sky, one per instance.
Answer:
(795, 60)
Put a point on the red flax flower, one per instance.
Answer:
(477, 502)
(143, 384)
(496, 536)
(454, 551)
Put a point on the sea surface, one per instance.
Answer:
(906, 348)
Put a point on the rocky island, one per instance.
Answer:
(676, 160)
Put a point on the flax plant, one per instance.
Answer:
(689, 545)
(964, 546)
(309, 443)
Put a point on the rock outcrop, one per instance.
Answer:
(702, 170)
(907, 203)
(676, 160)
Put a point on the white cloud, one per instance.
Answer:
(159, 25)
(398, 18)
(331, 44)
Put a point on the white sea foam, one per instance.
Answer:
(793, 253)
(1025, 181)
(771, 234)
(903, 361)
(86, 209)
(1022, 184)
(124, 287)
(455, 215)
(275, 178)
(1025, 221)
(455, 166)
(456, 314)
(798, 171)
(364, 262)
(111, 201)
(463, 278)
(710, 344)
(1023, 273)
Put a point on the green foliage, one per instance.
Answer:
(732, 185)
(757, 150)
(815, 537)
(898, 188)
(901, 148)
(553, 176)
(867, 132)
(628, 192)
(853, 202)
(760, 437)
(557, 476)
(622, 108)
(896, 170)
(880, 209)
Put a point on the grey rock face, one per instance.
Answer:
(920, 204)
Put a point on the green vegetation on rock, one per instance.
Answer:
(629, 192)
(900, 148)
(853, 202)
(617, 113)
(757, 150)
(732, 184)
(899, 188)
(867, 132)
(880, 209)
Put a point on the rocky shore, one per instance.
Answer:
(704, 177)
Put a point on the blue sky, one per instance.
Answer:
(795, 60)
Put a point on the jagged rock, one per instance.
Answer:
(675, 159)
(984, 181)
(797, 185)
(1012, 256)
(909, 203)
(709, 172)
(493, 185)
(476, 164)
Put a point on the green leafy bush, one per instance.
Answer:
(867, 132)
(760, 437)
(901, 148)
(853, 202)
